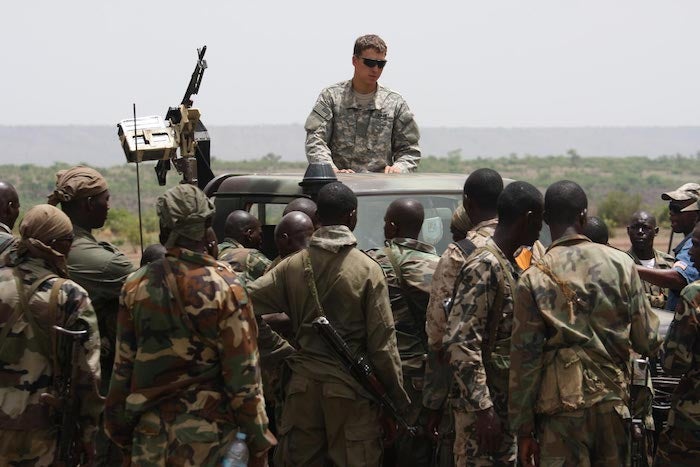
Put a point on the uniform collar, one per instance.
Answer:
(485, 224)
(569, 240)
(413, 244)
(333, 238)
(81, 232)
(192, 256)
(349, 101)
(5, 228)
(232, 242)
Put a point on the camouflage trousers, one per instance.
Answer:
(327, 423)
(186, 440)
(466, 450)
(20, 448)
(598, 436)
(678, 447)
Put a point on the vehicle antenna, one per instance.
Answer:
(138, 180)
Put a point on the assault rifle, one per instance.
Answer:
(66, 401)
(638, 433)
(361, 369)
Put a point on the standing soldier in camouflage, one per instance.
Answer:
(361, 126)
(240, 248)
(481, 191)
(409, 265)
(97, 266)
(186, 374)
(641, 231)
(328, 417)
(35, 294)
(9, 211)
(679, 444)
(579, 312)
(684, 213)
(477, 338)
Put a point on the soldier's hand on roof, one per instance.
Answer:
(344, 171)
(392, 169)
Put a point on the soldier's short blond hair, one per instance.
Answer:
(369, 41)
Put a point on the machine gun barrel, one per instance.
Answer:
(196, 79)
(361, 369)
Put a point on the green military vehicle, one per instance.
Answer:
(266, 195)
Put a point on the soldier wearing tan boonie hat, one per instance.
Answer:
(684, 213)
(685, 192)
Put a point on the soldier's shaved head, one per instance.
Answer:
(403, 218)
(293, 233)
(304, 205)
(565, 203)
(337, 205)
(516, 200)
(484, 186)
(9, 204)
(152, 253)
(243, 227)
(643, 217)
(597, 230)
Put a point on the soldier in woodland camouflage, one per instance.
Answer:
(477, 337)
(242, 238)
(641, 230)
(35, 294)
(679, 444)
(328, 417)
(9, 211)
(361, 126)
(481, 191)
(409, 265)
(579, 312)
(186, 374)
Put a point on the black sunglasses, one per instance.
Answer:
(675, 209)
(371, 63)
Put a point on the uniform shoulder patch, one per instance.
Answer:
(323, 110)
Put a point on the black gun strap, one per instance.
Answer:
(467, 246)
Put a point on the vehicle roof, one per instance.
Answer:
(361, 183)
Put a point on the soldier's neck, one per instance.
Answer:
(646, 253)
(506, 242)
(363, 88)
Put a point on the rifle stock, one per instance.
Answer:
(361, 370)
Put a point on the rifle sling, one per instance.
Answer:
(22, 307)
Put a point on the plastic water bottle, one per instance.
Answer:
(237, 452)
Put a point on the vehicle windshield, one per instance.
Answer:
(436, 226)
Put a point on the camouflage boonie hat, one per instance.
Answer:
(683, 193)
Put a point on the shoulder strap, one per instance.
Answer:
(23, 308)
(495, 317)
(4, 244)
(311, 281)
(467, 246)
(172, 285)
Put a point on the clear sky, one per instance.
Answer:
(506, 63)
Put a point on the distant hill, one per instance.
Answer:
(98, 145)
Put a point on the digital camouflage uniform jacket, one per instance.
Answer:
(682, 357)
(591, 312)
(25, 370)
(353, 293)
(194, 377)
(341, 133)
(101, 269)
(482, 376)
(438, 374)
(657, 295)
(249, 263)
